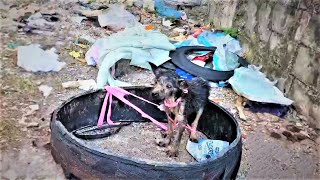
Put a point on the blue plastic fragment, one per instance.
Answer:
(166, 11)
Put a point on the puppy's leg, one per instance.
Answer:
(173, 148)
(168, 135)
(193, 136)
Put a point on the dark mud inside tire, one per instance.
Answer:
(81, 162)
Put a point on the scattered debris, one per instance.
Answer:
(90, 13)
(149, 27)
(46, 90)
(181, 37)
(78, 19)
(148, 5)
(203, 150)
(179, 30)
(167, 11)
(190, 3)
(166, 23)
(41, 22)
(253, 85)
(81, 84)
(128, 44)
(13, 45)
(32, 108)
(117, 18)
(239, 105)
(32, 125)
(33, 58)
(275, 109)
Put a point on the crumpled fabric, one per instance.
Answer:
(253, 85)
(136, 44)
(225, 57)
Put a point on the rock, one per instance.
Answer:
(32, 125)
(32, 109)
(292, 128)
(81, 84)
(275, 135)
(46, 90)
(302, 135)
(289, 135)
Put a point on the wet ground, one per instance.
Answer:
(268, 153)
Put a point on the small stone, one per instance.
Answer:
(302, 135)
(32, 108)
(289, 135)
(275, 135)
(46, 90)
(32, 125)
(292, 128)
(318, 140)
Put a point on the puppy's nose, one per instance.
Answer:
(155, 94)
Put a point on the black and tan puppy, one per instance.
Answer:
(181, 99)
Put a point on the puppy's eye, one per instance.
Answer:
(169, 86)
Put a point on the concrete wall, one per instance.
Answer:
(284, 37)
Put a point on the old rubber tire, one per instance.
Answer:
(178, 57)
(79, 161)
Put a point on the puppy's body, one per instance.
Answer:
(192, 96)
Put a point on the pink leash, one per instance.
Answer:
(120, 93)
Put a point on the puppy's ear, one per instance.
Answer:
(159, 72)
(182, 84)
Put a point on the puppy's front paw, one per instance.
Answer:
(194, 137)
(163, 142)
(164, 134)
(172, 152)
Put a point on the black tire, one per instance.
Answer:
(81, 162)
(178, 57)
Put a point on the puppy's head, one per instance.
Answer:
(166, 84)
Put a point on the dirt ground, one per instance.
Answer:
(271, 148)
(142, 145)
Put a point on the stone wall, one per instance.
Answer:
(284, 37)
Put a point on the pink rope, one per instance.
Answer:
(120, 93)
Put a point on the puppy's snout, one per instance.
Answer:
(155, 94)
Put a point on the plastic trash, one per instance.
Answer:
(33, 58)
(253, 85)
(206, 149)
(117, 18)
(225, 57)
(46, 90)
(184, 75)
(148, 5)
(136, 44)
(184, 2)
(167, 11)
(81, 84)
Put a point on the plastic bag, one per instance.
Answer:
(33, 58)
(224, 58)
(167, 11)
(206, 149)
(253, 85)
(117, 18)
